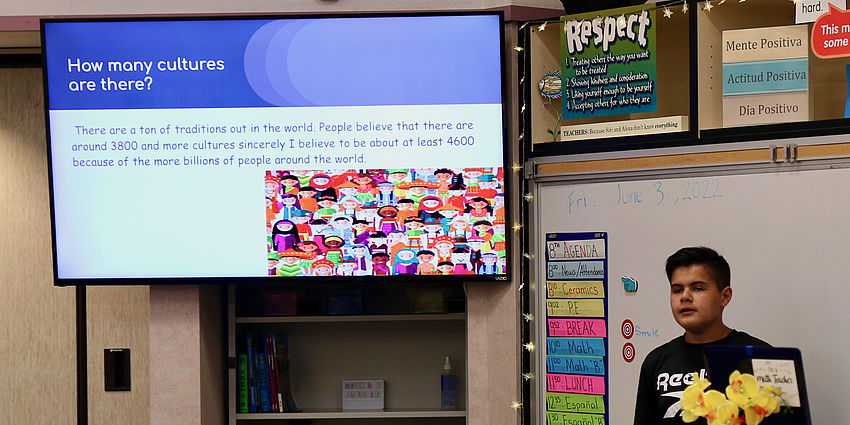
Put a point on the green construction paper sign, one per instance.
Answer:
(608, 62)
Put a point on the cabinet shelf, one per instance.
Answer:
(407, 351)
(361, 318)
(356, 414)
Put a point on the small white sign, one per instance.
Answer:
(624, 128)
(779, 374)
(363, 394)
(809, 10)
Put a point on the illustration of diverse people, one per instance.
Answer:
(376, 222)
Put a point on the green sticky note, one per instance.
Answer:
(575, 403)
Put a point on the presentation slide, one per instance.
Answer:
(291, 147)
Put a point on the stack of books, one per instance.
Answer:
(263, 376)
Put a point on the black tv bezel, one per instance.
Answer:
(280, 280)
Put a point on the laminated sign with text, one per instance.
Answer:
(608, 63)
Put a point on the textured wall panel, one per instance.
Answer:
(37, 320)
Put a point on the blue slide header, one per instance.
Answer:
(362, 61)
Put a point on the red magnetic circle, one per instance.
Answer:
(628, 329)
(628, 352)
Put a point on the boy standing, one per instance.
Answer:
(699, 291)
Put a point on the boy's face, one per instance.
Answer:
(695, 299)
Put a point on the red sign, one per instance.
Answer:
(831, 34)
(627, 328)
(628, 352)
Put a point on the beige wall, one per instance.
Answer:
(37, 331)
(39, 327)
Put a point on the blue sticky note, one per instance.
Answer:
(575, 346)
(578, 365)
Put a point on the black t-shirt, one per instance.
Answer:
(668, 370)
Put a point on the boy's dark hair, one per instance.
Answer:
(700, 255)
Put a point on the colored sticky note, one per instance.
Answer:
(577, 327)
(593, 269)
(575, 346)
(575, 403)
(591, 249)
(575, 289)
(575, 308)
(581, 384)
(557, 418)
(589, 365)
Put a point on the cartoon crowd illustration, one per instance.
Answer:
(379, 222)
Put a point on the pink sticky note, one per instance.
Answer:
(577, 327)
(581, 384)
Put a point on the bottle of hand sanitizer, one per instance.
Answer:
(447, 386)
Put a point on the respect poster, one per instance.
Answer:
(608, 63)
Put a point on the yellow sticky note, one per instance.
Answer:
(575, 308)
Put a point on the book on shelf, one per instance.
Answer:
(267, 384)
(263, 382)
(252, 375)
(272, 371)
(281, 344)
(242, 380)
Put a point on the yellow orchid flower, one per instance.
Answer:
(725, 412)
(742, 387)
(701, 383)
(761, 406)
(693, 400)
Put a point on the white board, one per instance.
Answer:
(786, 236)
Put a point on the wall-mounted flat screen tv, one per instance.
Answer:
(234, 149)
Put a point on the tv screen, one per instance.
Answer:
(195, 150)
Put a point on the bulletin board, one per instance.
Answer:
(783, 230)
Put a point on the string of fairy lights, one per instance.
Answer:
(668, 9)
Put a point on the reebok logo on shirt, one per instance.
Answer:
(676, 380)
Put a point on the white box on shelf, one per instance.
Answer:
(363, 394)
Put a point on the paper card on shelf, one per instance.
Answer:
(363, 394)
(779, 374)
